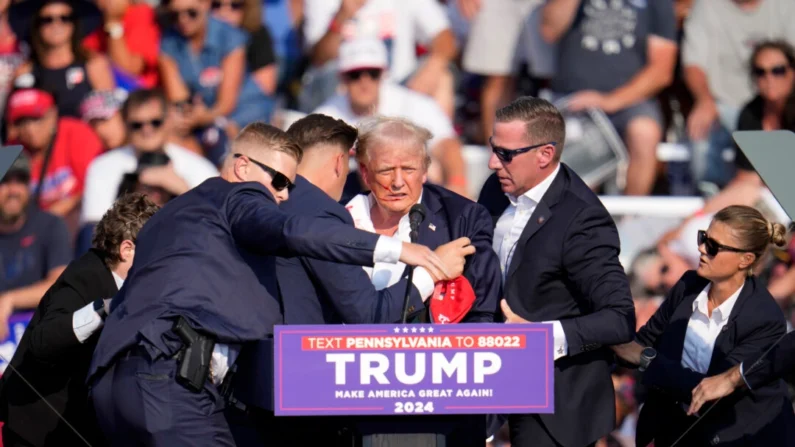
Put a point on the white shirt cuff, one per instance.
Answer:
(223, 357)
(742, 374)
(561, 345)
(423, 282)
(86, 321)
(387, 250)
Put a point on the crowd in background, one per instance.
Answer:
(110, 96)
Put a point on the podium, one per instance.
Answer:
(399, 385)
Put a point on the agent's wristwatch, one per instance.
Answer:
(99, 308)
(646, 357)
(115, 30)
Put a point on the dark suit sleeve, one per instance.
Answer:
(355, 298)
(257, 223)
(672, 377)
(53, 336)
(483, 268)
(760, 370)
(651, 331)
(590, 257)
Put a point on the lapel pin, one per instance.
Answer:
(432, 227)
(541, 220)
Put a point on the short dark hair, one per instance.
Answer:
(316, 128)
(543, 121)
(121, 222)
(266, 137)
(142, 96)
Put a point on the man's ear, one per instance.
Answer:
(339, 164)
(546, 155)
(127, 250)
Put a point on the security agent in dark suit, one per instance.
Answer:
(195, 294)
(712, 319)
(56, 350)
(558, 248)
(320, 292)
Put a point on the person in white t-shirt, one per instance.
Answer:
(401, 25)
(147, 124)
(362, 66)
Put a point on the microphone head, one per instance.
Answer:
(417, 213)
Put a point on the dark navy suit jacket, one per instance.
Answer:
(321, 292)
(761, 417)
(767, 366)
(565, 267)
(191, 260)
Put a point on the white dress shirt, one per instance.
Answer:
(384, 274)
(507, 233)
(703, 330)
(86, 321)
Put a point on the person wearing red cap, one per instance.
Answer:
(60, 151)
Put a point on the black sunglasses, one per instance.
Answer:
(138, 125)
(373, 73)
(777, 71)
(507, 155)
(712, 247)
(234, 5)
(279, 181)
(192, 13)
(47, 20)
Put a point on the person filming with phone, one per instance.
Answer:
(148, 158)
(714, 318)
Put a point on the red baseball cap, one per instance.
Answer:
(451, 300)
(28, 103)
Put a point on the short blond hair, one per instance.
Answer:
(375, 131)
(262, 136)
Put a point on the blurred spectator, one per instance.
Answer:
(131, 39)
(101, 110)
(362, 64)
(256, 97)
(170, 170)
(58, 63)
(402, 25)
(283, 19)
(719, 39)
(491, 48)
(616, 56)
(11, 55)
(202, 64)
(34, 245)
(60, 149)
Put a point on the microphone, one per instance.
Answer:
(417, 215)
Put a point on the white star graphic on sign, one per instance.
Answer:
(413, 330)
(397, 330)
(422, 329)
(405, 330)
(430, 329)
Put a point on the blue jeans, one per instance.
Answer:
(707, 162)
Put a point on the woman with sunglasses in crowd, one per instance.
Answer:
(711, 320)
(58, 62)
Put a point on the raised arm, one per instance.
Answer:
(257, 223)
